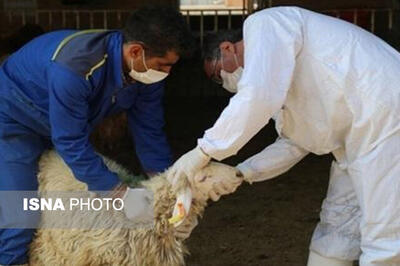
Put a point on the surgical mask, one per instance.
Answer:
(149, 76)
(230, 80)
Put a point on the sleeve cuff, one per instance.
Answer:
(202, 153)
(246, 171)
(208, 150)
(107, 182)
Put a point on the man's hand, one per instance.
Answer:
(188, 165)
(138, 205)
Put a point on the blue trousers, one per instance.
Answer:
(22, 141)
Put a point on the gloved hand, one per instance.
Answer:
(188, 165)
(138, 205)
(184, 230)
(216, 181)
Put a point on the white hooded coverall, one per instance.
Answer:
(333, 87)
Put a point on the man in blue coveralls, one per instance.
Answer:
(55, 89)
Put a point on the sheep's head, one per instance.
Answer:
(213, 175)
(166, 195)
(197, 191)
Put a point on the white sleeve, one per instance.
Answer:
(273, 161)
(271, 42)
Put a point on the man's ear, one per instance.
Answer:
(135, 50)
(228, 46)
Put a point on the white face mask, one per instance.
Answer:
(149, 76)
(230, 80)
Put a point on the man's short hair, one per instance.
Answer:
(213, 40)
(160, 30)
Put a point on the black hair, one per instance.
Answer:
(213, 40)
(160, 29)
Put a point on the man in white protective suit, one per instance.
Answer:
(332, 88)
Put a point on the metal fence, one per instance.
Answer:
(367, 18)
(200, 20)
(102, 18)
(377, 21)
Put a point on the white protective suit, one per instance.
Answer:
(334, 88)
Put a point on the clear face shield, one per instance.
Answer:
(229, 80)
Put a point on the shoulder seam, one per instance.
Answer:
(70, 37)
(96, 66)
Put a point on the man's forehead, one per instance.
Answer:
(169, 57)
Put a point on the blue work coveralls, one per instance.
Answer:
(53, 91)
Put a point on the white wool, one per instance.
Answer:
(111, 240)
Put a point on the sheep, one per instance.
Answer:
(116, 243)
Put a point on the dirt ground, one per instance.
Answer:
(266, 223)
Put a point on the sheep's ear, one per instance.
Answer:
(184, 197)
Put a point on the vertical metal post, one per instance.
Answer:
(249, 7)
(201, 28)
(36, 17)
(188, 18)
(50, 20)
(23, 17)
(229, 19)
(119, 18)
(216, 20)
(355, 16)
(243, 9)
(105, 25)
(390, 19)
(91, 20)
(372, 20)
(77, 19)
(64, 19)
